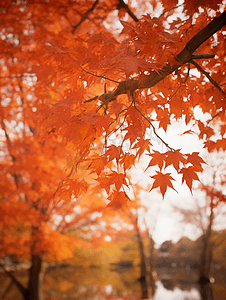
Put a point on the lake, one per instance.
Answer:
(73, 283)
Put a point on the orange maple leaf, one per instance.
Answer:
(157, 159)
(189, 174)
(195, 160)
(174, 158)
(163, 181)
(129, 160)
(142, 145)
(118, 200)
(113, 152)
(118, 179)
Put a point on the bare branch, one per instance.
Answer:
(122, 4)
(85, 16)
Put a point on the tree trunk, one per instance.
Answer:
(33, 290)
(206, 292)
(143, 268)
(152, 266)
(206, 255)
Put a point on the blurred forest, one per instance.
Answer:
(117, 265)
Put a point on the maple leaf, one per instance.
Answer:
(113, 152)
(189, 174)
(128, 161)
(157, 159)
(163, 117)
(189, 131)
(127, 27)
(133, 132)
(175, 158)
(142, 146)
(98, 165)
(118, 179)
(118, 200)
(162, 181)
(195, 160)
(104, 183)
(206, 131)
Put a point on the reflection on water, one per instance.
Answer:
(206, 292)
(176, 293)
(83, 283)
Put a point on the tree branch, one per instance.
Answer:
(202, 56)
(122, 4)
(21, 288)
(207, 75)
(182, 58)
(85, 16)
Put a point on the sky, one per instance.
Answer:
(168, 225)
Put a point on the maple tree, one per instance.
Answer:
(82, 83)
(143, 83)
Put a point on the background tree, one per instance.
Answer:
(208, 212)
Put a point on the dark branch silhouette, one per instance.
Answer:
(122, 4)
(185, 56)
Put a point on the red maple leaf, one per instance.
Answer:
(195, 160)
(118, 200)
(189, 174)
(157, 159)
(174, 158)
(162, 181)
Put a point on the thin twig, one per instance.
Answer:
(85, 16)
(175, 7)
(99, 76)
(95, 75)
(189, 66)
(122, 4)
(207, 75)
(213, 118)
(107, 136)
(92, 99)
(174, 93)
(105, 103)
(153, 127)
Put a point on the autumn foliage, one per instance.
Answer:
(87, 88)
